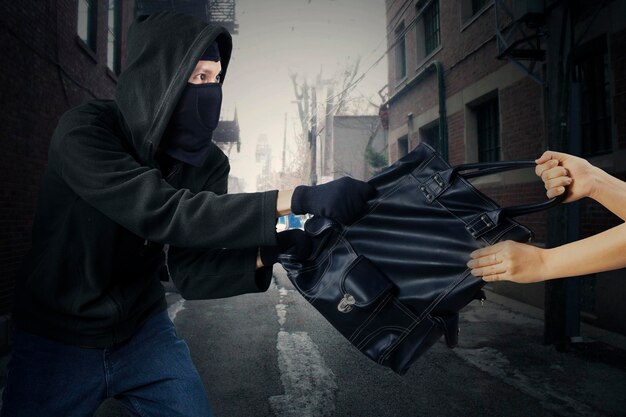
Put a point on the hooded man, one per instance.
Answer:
(126, 177)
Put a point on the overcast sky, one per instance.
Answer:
(304, 36)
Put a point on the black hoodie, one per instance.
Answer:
(105, 210)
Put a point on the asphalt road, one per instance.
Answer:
(272, 354)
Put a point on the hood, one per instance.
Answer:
(162, 52)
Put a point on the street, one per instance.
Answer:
(272, 354)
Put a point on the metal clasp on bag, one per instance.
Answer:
(346, 304)
(480, 225)
(433, 187)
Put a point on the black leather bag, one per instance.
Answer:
(394, 281)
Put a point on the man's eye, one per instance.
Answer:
(202, 76)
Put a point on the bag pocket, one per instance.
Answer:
(362, 306)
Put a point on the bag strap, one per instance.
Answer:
(480, 169)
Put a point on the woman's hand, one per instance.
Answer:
(558, 170)
(509, 261)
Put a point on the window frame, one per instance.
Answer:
(489, 146)
(403, 146)
(431, 29)
(114, 31)
(90, 40)
(400, 52)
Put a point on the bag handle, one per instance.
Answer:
(480, 169)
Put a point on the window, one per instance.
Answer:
(488, 131)
(400, 52)
(431, 27)
(430, 135)
(592, 71)
(472, 8)
(477, 5)
(86, 24)
(403, 146)
(113, 36)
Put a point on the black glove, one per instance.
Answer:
(341, 200)
(294, 242)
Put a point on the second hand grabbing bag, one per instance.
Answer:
(394, 281)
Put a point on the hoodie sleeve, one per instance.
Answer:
(217, 273)
(94, 163)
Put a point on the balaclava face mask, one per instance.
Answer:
(190, 129)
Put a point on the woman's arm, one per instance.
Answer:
(522, 263)
(518, 262)
(586, 181)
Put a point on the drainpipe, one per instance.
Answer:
(441, 86)
(443, 113)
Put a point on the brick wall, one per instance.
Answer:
(456, 146)
(44, 71)
(468, 54)
(521, 120)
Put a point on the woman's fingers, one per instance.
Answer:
(554, 192)
(488, 270)
(554, 172)
(495, 277)
(541, 168)
(486, 260)
(557, 182)
(486, 250)
(547, 155)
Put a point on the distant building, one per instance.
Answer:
(226, 135)
(265, 178)
(490, 70)
(344, 150)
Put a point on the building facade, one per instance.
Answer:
(55, 56)
(459, 81)
(352, 146)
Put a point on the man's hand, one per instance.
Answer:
(294, 242)
(509, 261)
(342, 200)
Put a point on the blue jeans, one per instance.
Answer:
(151, 374)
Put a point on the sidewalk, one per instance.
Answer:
(504, 338)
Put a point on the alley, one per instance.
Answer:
(272, 354)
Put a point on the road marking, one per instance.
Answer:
(494, 363)
(175, 308)
(281, 311)
(308, 383)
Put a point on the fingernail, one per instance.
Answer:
(470, 264)
(569, 181)
(473, 272)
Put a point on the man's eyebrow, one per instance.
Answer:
(208, 69)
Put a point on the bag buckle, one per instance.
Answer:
(346, 304)
(433, 187)
(481, 225)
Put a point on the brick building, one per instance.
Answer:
(454, 84)
(55, 56)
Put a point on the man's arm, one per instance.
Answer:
(95, 165)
